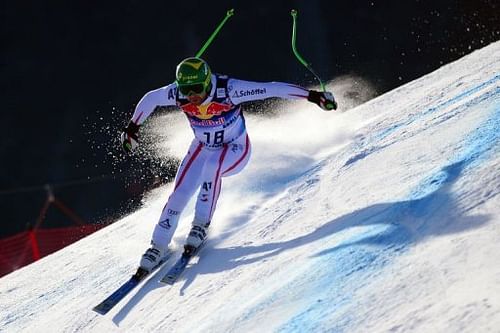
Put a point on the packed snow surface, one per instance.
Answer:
(381, 218)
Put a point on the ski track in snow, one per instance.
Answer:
(363, 221)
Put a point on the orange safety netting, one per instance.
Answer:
(26, 247)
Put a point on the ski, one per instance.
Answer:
(176, 270)
(120, 293)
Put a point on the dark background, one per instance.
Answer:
(72, 71)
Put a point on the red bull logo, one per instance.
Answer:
(205, 111)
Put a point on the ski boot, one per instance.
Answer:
(152, 258)
(196, 237)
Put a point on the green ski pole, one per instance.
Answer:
(211, 38)
(299, 57)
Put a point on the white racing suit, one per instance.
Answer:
(220, 148)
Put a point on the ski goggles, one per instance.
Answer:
(192, 89)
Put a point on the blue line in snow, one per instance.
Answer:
(383, 134)
(386, 132)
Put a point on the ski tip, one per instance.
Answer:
(100, 310)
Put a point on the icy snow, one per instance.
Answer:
(381, 218)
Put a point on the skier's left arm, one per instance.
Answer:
(245, 91)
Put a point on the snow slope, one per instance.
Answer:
(382, 218)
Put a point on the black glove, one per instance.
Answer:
(325, 99)
(129, 137)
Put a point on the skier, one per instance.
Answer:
(220, 148)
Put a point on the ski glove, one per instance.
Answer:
(129, 137)
(325, 99)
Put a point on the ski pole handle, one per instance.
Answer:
(229, 13)
(297, 55)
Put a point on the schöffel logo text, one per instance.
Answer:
(244, 93)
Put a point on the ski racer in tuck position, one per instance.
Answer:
(220, 147)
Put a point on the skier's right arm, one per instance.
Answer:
(164, 96)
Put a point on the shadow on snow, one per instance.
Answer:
(409, 222)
